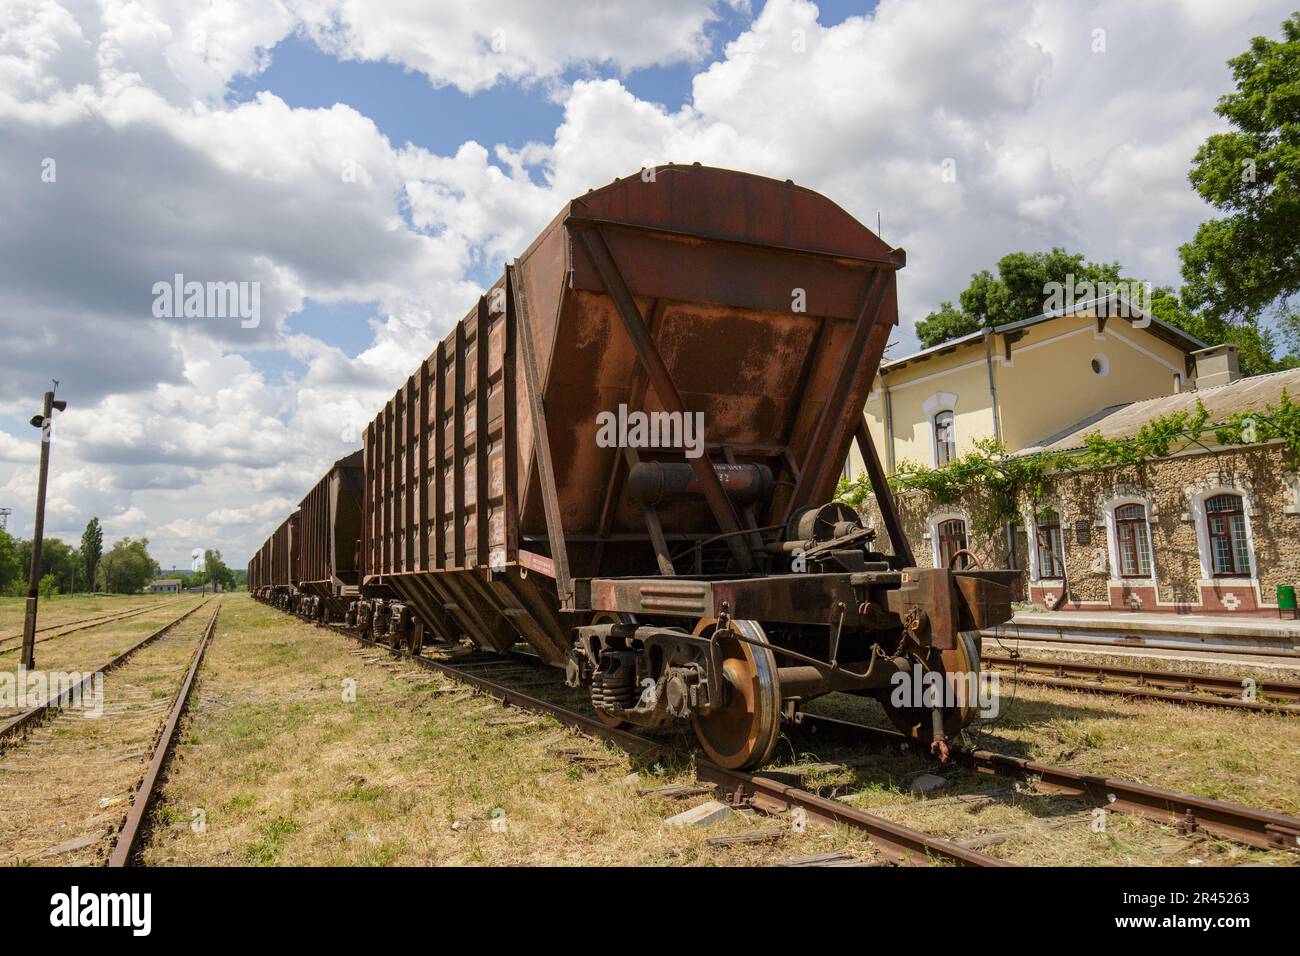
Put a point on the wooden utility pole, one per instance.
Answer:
(45, 422)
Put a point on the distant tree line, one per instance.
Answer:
(125, 569)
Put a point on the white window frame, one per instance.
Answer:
(1031, 543)
(932, 406)
(1117, 578)
(1203, 536)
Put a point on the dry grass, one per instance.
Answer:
(1238, 756)
(290, 773)
(67, 786)
(94, 646)
(62, 609)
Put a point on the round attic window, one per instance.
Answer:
(1100, 364)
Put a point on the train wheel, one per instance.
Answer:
(915, 722)
(742, 732)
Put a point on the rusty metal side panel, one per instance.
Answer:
(440, 492)
(754, 286)
(436, 465)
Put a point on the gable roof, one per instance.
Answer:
(1113, 303)
(1221, 401)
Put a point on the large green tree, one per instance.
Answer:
(1020, 290)
(92, 548)
(128, 567)
(216, 569)
(1248, 262)
(59, 560)
(1257, 346)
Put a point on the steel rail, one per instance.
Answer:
(1158, 684)
(1152, 693)
(74, 626)
(129, 834)
(898, 843)
(901, 844)
(1262, 829)
(28, 717)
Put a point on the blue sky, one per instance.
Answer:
(407, 108)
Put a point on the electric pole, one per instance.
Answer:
(45, 422)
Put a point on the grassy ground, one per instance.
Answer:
(67, 786)
(287, 771)
(413, 771)
(61, 609)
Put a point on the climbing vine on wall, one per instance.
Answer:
(994, 484)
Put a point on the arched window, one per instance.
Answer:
(1133, 541)
(1051, 546)
(951, 539)
(945, 439)
(1225, 523)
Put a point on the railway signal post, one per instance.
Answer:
(44, 422)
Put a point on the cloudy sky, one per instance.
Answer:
(372, 165)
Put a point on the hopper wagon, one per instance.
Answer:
(327, 536)
(259, 573)
(282, 559)
(626, 454)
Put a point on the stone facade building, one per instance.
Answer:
(1208, 529)
(1139, 538)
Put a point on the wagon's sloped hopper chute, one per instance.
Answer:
(626, 454)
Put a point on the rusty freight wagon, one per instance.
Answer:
(626, 454)
(283, 579)
(329, 527)
(259, 572)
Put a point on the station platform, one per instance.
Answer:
(1256, 636)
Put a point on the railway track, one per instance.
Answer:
(1201, 689)
(13, 643)
(897, 843)
(66, 787)
(1261, 829)
(128, 837)
(1188, 813)
(12, 724)
(81, 620)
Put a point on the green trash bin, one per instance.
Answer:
(1286, 600)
